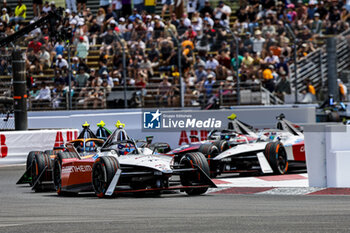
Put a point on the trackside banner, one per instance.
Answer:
(15, 145)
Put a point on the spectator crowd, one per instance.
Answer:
(201, 30)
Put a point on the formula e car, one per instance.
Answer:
(217, 142)
(271, 153)
(40, 163)
(121, 166)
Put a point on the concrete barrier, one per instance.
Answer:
(15, 145)
(328, 154)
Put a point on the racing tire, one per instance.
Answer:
(210, 151)
(30, 158)
(40, 161)
(57, 169)
(276, 155)
(29, 162)
(52, 152)
(222, 145)
(103, 172)
(192, 178)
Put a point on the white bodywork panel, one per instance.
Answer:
(156, 161)
(286, 138)
(264, 164)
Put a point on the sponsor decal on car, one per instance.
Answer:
(79, 168)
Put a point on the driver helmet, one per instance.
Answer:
(124, 149)
(90, 146)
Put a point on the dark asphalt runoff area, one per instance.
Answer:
(22, 210)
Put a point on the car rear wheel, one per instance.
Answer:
(57, 171)
(222, 145)
(40, 161)
(103, 172)
(276, 155)
(210, 151)
(30, 159)
(193, 178)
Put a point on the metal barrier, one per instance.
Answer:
(151, 96)
(83, 98)
(314, 65)
(251, 94)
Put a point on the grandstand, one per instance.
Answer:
(265, 61)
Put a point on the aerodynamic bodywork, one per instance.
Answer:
(39, 166)
(270, 153)
(121, 166)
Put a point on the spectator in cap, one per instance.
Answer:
(35, 44)
(59, 48)
(258, 42)
(316, 25)
(211, 63)
(81, 78)
(61, 63)
(71, 5)
(208, 86)
(5, 18)
(200, 73)
(268, 28)
(221, 10)
(268, 79)
(311, 9)
(44, 58)
(234, 63)
(134, 15)
(82, 49)
(4, 5)
(46, 7)
(75, 64)
(186, 20)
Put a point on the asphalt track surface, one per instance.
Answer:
(22, 210)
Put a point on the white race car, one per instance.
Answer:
(121, 166)
(270, 153)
